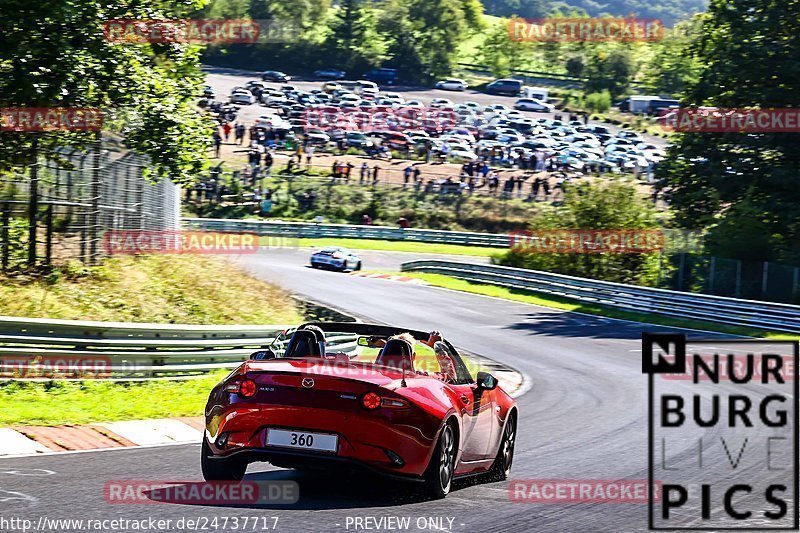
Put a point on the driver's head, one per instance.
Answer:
(318, 333)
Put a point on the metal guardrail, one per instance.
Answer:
(347, 231)
(114, 350)
(720, 309)
(65, 349)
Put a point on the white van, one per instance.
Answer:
(537, 93)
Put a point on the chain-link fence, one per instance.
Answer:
(59, 209)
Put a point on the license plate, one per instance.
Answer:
(302, 440)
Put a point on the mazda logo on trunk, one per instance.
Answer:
(308, 383)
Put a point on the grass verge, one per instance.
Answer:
(401, 246)
(161, 289)
(167, 289)
(566, 304)
(59, 402)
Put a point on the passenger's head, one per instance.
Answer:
(405, 337)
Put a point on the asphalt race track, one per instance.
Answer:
(583, 417)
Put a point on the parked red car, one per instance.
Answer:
(392, 401)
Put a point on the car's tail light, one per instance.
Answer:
(393, 403)
(371, 401)
(245, 388)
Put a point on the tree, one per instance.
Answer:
(725, 181)
(352, 40)
(597, 207)
(575, 66)
(500, 52)
(609, 69)
(56, 55)
(439, 27)
(670, 70)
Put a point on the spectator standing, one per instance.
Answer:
(226, 129)
(348, 171)
(364, 176)
(268, 160)
(407, 175)
(375, 171)
(309, 156)
(217, 143)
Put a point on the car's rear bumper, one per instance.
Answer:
(310, 460)
(366, 438)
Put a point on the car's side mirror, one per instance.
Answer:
(363, 341)
(263, 355)
(486, 381)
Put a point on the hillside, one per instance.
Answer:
(668, 11)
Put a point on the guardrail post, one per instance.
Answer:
(33, 201)
(795, 276)
(681, 267)
(764, 279)
(48, 254)
(5, 242)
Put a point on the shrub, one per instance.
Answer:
(598, 102)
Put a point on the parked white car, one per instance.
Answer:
(452, 84)
(531, 104)
(242, 97)
(274, 99)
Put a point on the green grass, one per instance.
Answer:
(162, 289)
(566, 304)
(54, 403)
(402, 246)
(187, 289)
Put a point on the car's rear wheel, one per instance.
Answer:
(439, 475)
(220, 469)
(501, 468)
(358, 266)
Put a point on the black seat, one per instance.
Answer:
(304, 343)
(397, 354)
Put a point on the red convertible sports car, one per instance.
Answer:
(397, 402)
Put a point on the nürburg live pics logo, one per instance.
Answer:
(723, 433)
